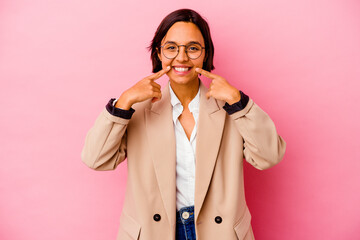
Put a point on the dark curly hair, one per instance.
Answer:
(182, 15)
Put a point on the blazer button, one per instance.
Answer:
(157, 217)
(218, 219)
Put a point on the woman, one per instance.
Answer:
(185, 144)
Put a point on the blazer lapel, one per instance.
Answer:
(161, 137)
(208, 138)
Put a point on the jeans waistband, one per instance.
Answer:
(185, 215)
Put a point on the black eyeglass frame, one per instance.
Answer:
(178, 50)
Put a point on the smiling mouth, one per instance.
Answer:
(182, 69)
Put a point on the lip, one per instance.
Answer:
(182, 66)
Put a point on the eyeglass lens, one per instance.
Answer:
(193, 50)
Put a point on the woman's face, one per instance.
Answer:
(183, 33)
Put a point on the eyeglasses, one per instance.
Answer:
(171, 50)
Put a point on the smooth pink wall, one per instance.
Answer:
(62, 60)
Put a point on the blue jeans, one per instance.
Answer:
(185, 227)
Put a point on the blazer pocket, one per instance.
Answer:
(129, 228)
(242, 226)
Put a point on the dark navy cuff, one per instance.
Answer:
(127, 114)
(238, 106)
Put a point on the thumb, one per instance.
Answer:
(208, 94)
(154, 99)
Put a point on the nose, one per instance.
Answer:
(182, 55)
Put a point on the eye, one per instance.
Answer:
(170, 47)
(193, 48)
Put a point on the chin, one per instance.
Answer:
(182, 79)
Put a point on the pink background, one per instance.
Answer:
(62, 60)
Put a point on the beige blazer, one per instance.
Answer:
(147, 140)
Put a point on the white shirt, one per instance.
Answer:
(185, 152)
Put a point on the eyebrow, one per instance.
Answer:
(185, 44)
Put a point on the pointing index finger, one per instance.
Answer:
(205, 73)
(160, 73)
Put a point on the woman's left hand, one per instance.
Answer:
(220, 88)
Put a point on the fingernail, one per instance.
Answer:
(168, 67)
(197, 69)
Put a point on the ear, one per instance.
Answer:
(158, 53)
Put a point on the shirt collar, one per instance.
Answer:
(178, 108)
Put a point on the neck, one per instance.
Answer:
(185, 92)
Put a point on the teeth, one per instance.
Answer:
(181, 69)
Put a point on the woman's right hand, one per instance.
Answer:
(141, 91)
